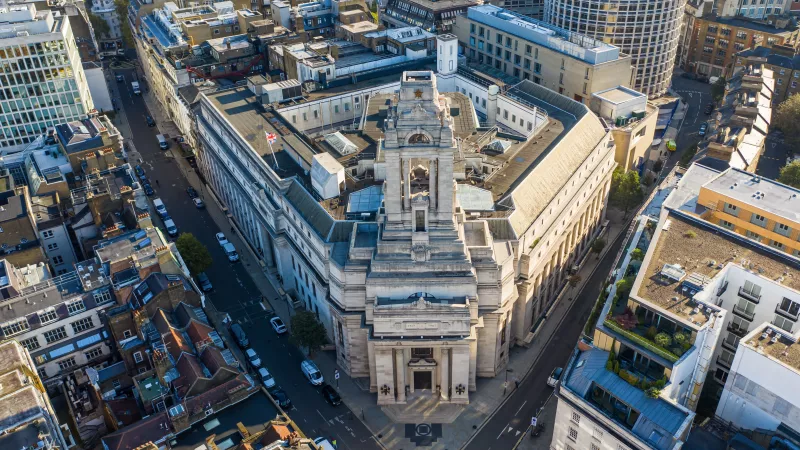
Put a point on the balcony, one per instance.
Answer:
(789, 315)
(728, 345)
(642, 341)
(755, 298)
(723, 363)
(737, 330)
(741, 312)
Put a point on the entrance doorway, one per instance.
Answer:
(423, 379)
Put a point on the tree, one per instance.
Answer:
(99, 25)
(598, 245)
(193, 253)
(125, 27)
(790, 174)
(718, 89)
(686, 156)
(787, 119)
(574, 280)
(626, 190)
(308, 332)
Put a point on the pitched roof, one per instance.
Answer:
(198, 333)
(176, 343)
(153, 429)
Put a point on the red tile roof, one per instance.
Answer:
(153, 429)
(198, 333)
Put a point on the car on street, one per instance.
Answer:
(148, 190)
(230, 252)
(241, 338)
(199, 204)
(709, 109)
(150, 121)
(331, 396)
(311, 372)
(555, 375)
(161, 209)
(278, 325)
(120, 78)
(204, 282)
(324, 444)
(192, 192)
(172, 229)
(252, 358)
(139, 171)
(280, 396)
(221, 239)
(703, 129)
(266, 377)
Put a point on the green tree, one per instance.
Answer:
(718, 89)
(626, 190)
(122, 12)
(308, 332)
(790, 174)
(194, 253)
(637, 254)
(598, 245)
(574, 280)
(686, 157)
(99, 25)
(787, 119)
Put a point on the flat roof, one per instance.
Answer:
(619, 94)
(784, 349)
(760, 192)
(703, 249)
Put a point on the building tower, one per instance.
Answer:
(446, 54)
(648, 30)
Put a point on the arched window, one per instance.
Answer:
(419, 139)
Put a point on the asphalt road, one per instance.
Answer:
(697, 95)
(774, 157)
(501, 430)
(234, 291)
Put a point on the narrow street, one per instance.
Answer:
(234, 290)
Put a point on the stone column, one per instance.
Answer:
(444, 370)
(400, 371)
(432, 180)
(406, 163)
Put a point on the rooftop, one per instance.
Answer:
(693, 249)
(753, 24)
(444, 5)
(619, 94)
(760, 192)
(775, 343)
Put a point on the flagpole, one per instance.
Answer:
(266, 134)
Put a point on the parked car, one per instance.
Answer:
(230, 251)
(280, 396)
(120, 78)
(163, 143)
(221, 239)
(150, 121)
(241, 338)
(555, 375)
(139, 171)
(198, 203)
(160, 208)
(277, 325)
(311, 372)
(709, 109)
(324, 444)
(331, 396)
(192, 192)
(148, 190)
(252, 358)
(703, 129)
(172, 229)
(204, 282)
(266, 378)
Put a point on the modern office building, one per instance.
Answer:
(42, 82)
(647, 30)
(530, 8)
(566, 62)
(409, 259)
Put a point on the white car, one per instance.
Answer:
(311, 372)
(324, 444)
(253, 358)
(266, 378)
(221, 239)
(277, 325)
(555, 375)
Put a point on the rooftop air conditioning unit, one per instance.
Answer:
(774, 339)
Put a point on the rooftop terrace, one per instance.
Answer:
(776, 344)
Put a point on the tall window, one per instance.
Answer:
(420, 220)
(82, 325)
(55, 335)
(102, 297)
(31, 343)
(67, 363)
(48, 315)
(76, 307)
(426, 352)
(789, 307)
(15, 326)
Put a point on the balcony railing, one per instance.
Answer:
(755, 298)
(787, 314)
(723, 362)
(728, 345)
(737, 330)
(743, 313)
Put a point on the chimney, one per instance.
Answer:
(228, 44)
(491, 105)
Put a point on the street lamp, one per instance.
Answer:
(505, 385)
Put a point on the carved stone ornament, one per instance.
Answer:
(420, 252)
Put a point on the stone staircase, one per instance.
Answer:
(423, 407)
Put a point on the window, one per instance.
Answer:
(31, 343)
(42, 372)
(82, 325)
(537, 68)
(777, 245)
(76, 307)
(58, 260)
(594, 447)
(783, 230)
(102, 297)
(746, 308)
(55, 335)
(426, 352)
(48, 315)
(598, 433)
(732, 340)
(789, 307)
(93, 353)
(576, 417)
(721, 375)
(737, 323)
(726, 357)
(731, 209)
(782, 322)
(347, 106)
(528, 49)
(573, 434)
(53, 246)
(561, 78)
(138, 357)
(751, 289)
(753, 236)
(67, 364)
(15, 326)
(126, 334)
(47, 234)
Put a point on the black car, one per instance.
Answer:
(192, 192)
(281, 397)
(148, 190)
(330, 395)
(204, 282)
(120, 78)
(709, 108)
(150, 121)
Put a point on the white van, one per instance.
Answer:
(172, 230)
(311, 372)
(160, 208)
(163, 144)
(230, 250)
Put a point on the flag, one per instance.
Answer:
(271, 137)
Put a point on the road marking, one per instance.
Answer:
(517, 433)
(501, 433)
(520, 408)
(323, 417)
